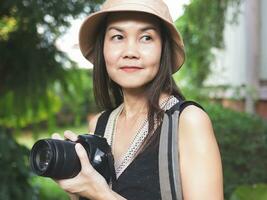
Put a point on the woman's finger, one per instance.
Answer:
(83, 157)
(56, 136)
(70, 135)
(66, 184)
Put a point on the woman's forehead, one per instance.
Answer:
(138, 18)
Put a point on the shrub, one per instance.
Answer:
(48, 189)
(247, 192)
(14, 173)
(242, 139)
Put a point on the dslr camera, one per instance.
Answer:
(57, 159)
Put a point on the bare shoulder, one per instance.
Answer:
(195, 130)
(93, 121)
(194, 118)
(199, 156)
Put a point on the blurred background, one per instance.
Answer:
(46, 85)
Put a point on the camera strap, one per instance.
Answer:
(101, 123)
(100, 131)
(169, 166)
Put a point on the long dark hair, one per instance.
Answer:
(108, 94)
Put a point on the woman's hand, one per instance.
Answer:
(88, 183)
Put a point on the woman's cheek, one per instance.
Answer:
(111, 56)
(154, 50)
(152, 61)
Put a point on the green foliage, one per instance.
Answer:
(31, 70)
(202, 26)
(79, 100)
(247, 192)
(69, 103)
(7, 25)
(14, 172)
(18, 117)
(30, 63)
(242, 140)
(48, 189)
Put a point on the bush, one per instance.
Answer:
(247, 192)
(242, 139)
(14, 173)
(48, 189)
(17, 181)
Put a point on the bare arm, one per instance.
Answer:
(201, 168)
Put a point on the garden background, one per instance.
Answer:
(43, 91)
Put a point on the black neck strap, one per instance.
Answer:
(101, 123)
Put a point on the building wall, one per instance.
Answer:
(229, 67)
(263, 74)
(243, 61)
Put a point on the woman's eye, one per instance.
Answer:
(117, 37)
(146, 38)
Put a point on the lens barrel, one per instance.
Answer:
(55, 158)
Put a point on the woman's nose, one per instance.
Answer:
(131, 49)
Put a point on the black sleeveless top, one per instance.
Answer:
(140, 180)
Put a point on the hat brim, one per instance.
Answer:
(91, 24)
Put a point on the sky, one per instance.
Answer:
(69, 41)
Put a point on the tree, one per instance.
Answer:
(202, 26)
(30, 63)
(30, 66)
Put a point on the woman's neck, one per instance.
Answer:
(135, 102)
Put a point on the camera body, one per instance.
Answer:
(58, 159)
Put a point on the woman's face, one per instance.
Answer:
(132, 48)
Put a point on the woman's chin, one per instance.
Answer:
(130, 84)
(132, 87)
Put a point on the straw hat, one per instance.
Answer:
(158, 8)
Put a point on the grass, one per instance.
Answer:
(29, 137)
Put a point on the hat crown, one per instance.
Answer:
(158, 6)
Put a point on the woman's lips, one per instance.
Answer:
(130, 68)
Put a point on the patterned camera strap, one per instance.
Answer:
(169, 166)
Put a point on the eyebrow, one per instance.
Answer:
(141, 29)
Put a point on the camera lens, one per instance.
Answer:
(55, 158)
(43, 157)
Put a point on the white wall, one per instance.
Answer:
(230, 64)
(263, 74)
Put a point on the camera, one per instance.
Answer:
(57, 159)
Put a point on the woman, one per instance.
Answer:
(135, 51)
